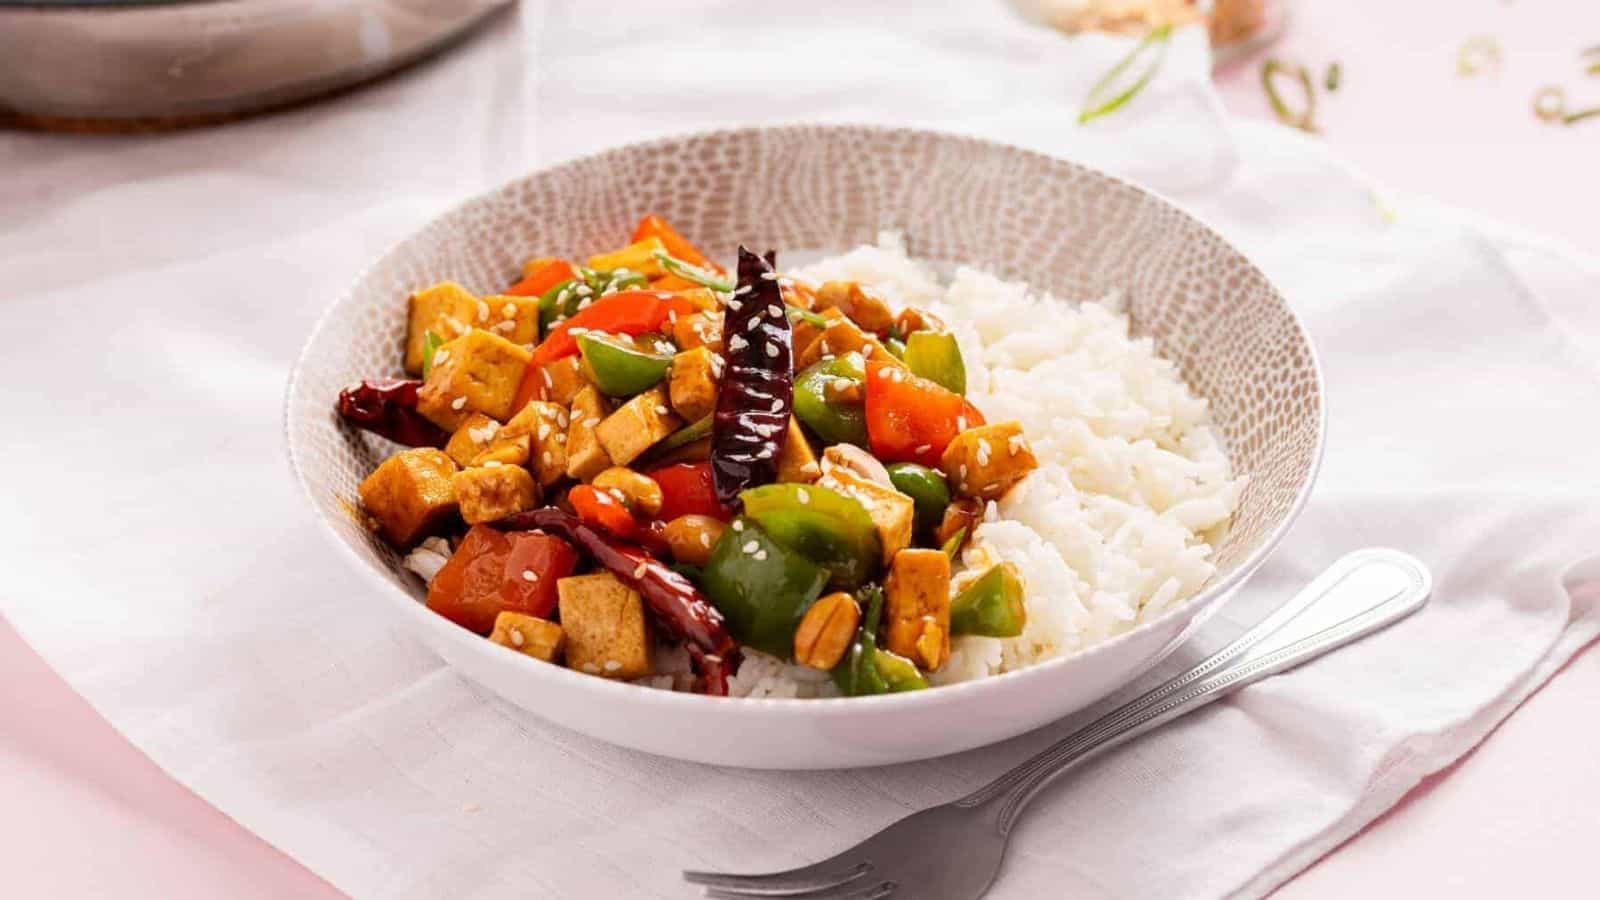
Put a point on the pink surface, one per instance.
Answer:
(92, 816)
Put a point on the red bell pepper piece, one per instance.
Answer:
(911, 419)
(598, 508)
(489, 574)
(543, 279)
(625, 312)
(654, 226)
(686, 489)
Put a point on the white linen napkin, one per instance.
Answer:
(159, 557)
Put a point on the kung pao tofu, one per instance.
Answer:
(642, 451)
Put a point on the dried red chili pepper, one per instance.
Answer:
(757, 390)
(676, 604)
(388, 407)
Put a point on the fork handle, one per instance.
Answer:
(1359, 594)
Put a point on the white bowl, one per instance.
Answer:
(1060, 226)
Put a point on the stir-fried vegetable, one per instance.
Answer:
(828, 399)
(431, 341)
(868, 668)
(927, 489)
(825, 526)
(912, 419)
(542, 279)
(761, 586)
(679, 608)
(686, 490)
(387, 407)
(653, 226)
(936, 356)
(493, 572)
(601, 509)
(620, 368)
(757, 390)
(991, 606)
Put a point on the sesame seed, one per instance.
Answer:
(803, 496)
(764, 453)
(612, 665)
(734, 305)
(811, 468)
(483, 311)
(591, 422)
(492, 464)
(583, 290)
(924, 449)
(546, 457)
(516, 637)
(777, 404)
(743, 289)
(439, 356)
(961, 423)
(530, 575)
(509, 310)
(458, 403)
(751, 546)
(561, 438)
(617, 493)
(752, 325)
(774, 309)
(639, 570)
(662, 410)
(575, 332)
(737, 343)
(772, 350)
(544, 430)
(705, 539)
(507, 325)
(885, 372)
(547, 381)
(738, 525)
(769, 276)
(760, 556)
(963, 470)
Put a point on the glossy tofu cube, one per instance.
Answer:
(637, 425)
(528, 635)
(447, 309)
(478, 372)
(491, 492)
(473, 437)
(986, 461)
(410, 494)
(514, 318)
(693, 384)
(916, 599)
(585, 457)
(605, 626)
(541, 427)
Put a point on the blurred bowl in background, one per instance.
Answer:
(136, 64)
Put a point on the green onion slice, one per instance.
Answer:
(692, 273)
(1305, 120)
(807, 316)
(431, 341)
(1106, 97)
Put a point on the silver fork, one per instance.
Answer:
(953, 852)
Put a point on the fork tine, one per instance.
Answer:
(845, 891)
(817, 877)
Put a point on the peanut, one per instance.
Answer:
(826, 631)
(639, 493)
(691, 537)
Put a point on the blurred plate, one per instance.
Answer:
(143, 63)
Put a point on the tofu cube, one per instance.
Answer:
(487, 493)
(528, 635)
(476, 434)
(637, 257)
(541, 428)
(986, 461)
(514, 318)
(805, 333)
(693, 386)
(865, 309)
(564, 379)
(916, 598)
(637, 425)
(797, 462)
(701, 329)
(840, 337)
(892, 512)
(410, 494)
(477, 372)
(605, 626)
(585, 457)
(447, 309)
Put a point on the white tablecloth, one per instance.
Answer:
(158, 555)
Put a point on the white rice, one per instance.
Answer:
(1111, 530)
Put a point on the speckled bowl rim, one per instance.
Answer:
(605, 688)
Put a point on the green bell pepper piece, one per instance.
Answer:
(552, 305)
(927, 489)
(762, 588)
(991, 606)
(897, 672)
(431, 341)
(936, 356)
(953, 546)
(621, 369)
(684, 436)
(823, 525)
(857, 674)
(835, 423)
